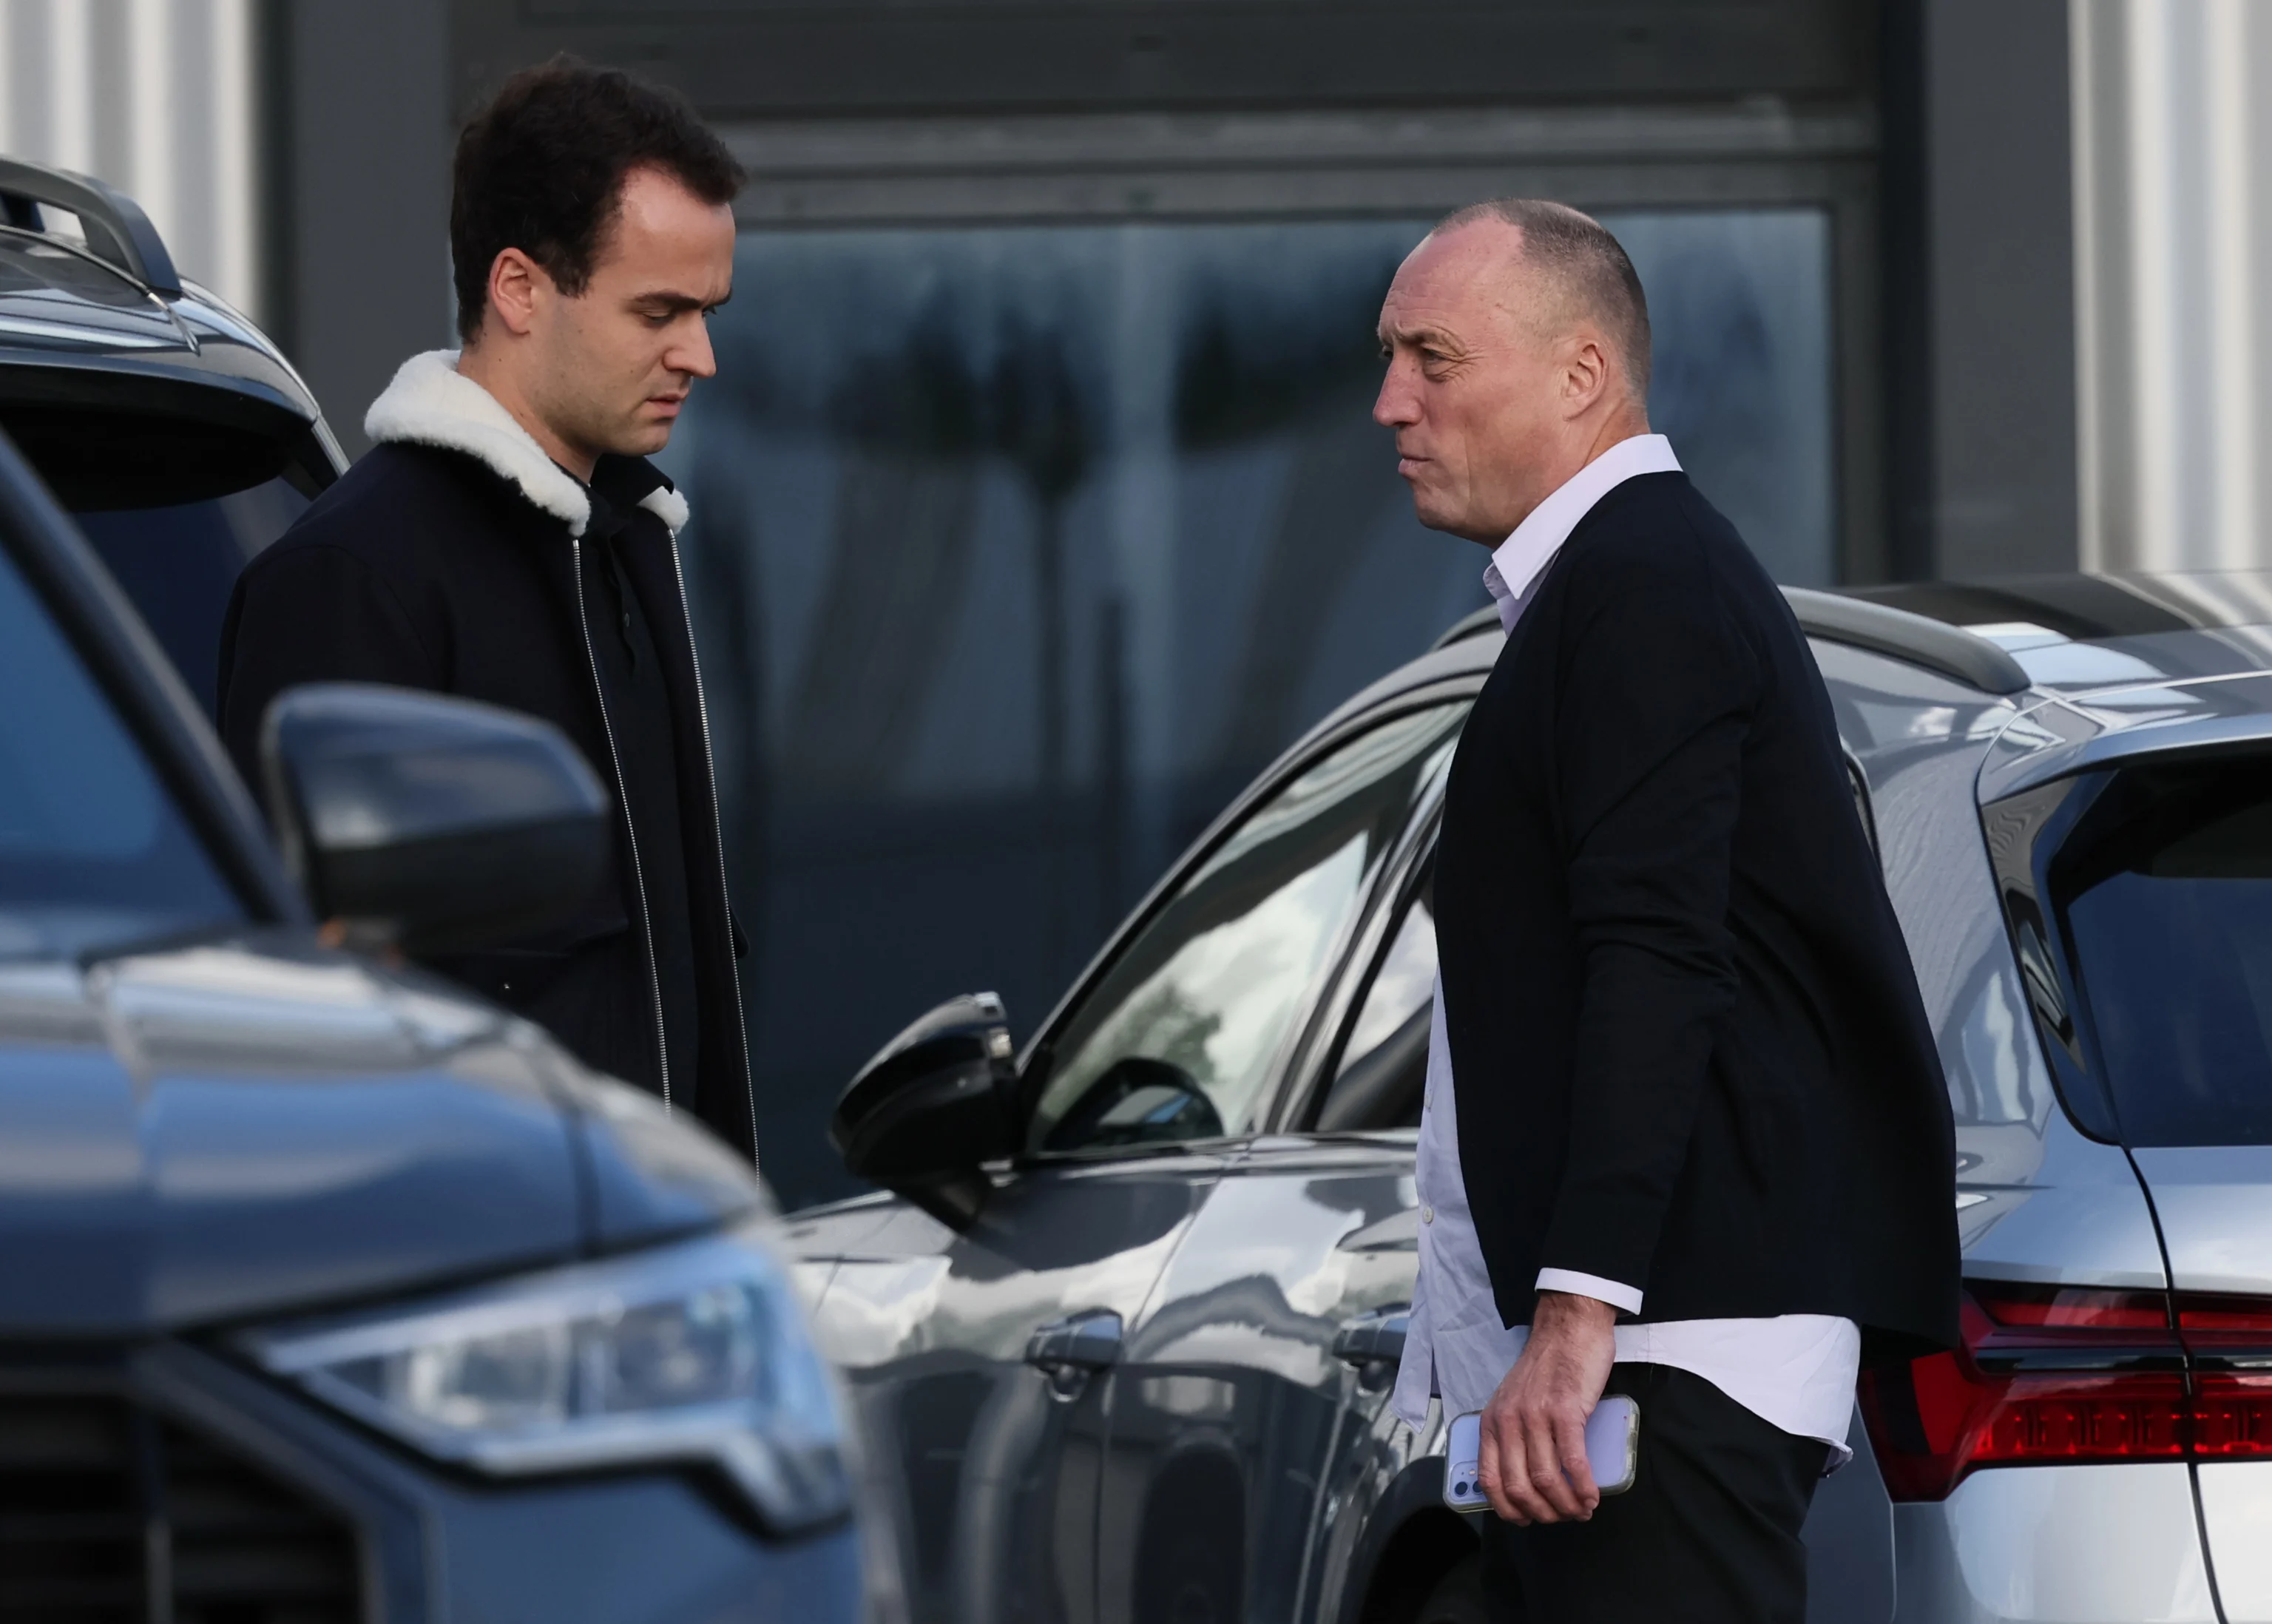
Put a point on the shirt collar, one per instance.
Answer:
(1518, 561)
(619, 486)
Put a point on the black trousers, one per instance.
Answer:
(1708, 1533)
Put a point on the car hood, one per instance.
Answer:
(254, 1126)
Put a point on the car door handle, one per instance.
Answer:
(1089, 1341)
(1373, 1338)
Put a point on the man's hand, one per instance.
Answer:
(1532, 1464)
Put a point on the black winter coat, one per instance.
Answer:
(1687, 1048)
(428, 567)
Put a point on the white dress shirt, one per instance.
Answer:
(1795, 1372)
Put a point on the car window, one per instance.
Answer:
(180, 563)
(1381, 1075)
(2164, 894)
(92, 850)
(1179, 1037)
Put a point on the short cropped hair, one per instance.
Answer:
(541, 168)
(1578, 252)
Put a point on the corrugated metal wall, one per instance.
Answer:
(2173, 249)
(157, 97)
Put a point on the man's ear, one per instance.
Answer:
(516, 284)
(1587, 368)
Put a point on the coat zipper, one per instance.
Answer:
(718, 833)
(623, 797)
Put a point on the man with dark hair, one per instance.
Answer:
(1686, 1138)
(505, 539)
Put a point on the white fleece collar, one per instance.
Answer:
(431, 403)
(668, 505)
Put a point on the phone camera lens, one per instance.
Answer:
(1459, 1488)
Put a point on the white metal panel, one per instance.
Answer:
(155, 97)
(2172, 145)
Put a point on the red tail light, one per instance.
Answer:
(2232, 1415)
(2229, 1340)
(2063, 1375)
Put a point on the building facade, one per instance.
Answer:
(1037, 502)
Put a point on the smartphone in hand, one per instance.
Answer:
(1612, 1453)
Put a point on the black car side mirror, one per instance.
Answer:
(433, 823)
(936, 1104)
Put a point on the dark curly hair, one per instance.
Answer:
(541, 169)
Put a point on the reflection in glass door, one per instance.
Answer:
(1017, 551)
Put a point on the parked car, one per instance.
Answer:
(328, 1292)
(167, 424)
(1123, 1330)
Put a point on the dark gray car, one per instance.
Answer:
(327, 1292)
(1124, 1336)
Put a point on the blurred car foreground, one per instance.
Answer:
(327, 1293)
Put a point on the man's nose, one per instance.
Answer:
(693, 355)
(1398, 402)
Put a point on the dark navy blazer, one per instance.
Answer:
(1688, 1048)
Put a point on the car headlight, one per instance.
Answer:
(692, 1352)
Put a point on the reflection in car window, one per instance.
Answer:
(1382, 1075)
(93, 852)
(1179, 1037)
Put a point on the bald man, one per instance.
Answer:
(1686, 1136)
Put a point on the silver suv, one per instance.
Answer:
(1124, 1330)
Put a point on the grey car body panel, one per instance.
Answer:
(2076, 1215)
(2061, 1544)
(101, 320)
(2236, 1507)
(646, 1178)
(2035, 1199)
(2214, 1202)
(990, 1467)
(256, 1125)
(1231, 1363)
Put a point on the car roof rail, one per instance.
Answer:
(117, 232)
(1945, 650)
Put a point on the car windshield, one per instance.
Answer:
(2166, 890)
(94, 853)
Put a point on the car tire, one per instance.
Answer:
(1458, 1598)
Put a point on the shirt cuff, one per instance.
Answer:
(1590, 1285)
